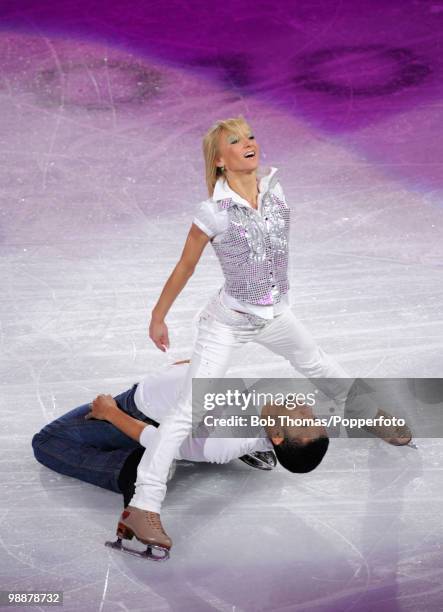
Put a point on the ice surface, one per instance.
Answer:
(100, 171)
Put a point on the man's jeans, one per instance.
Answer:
(90, 450)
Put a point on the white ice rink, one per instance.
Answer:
(98, 187)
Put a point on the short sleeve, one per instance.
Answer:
(204, 218)
(278, 190)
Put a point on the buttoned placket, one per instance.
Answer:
(227, 196)
(258, 211)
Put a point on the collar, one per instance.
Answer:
(222, 190)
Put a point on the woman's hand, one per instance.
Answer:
(102, 408)
(158, 332)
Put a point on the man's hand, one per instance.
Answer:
(102, 408)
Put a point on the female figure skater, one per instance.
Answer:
(246, 219)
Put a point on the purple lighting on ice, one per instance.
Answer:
(346, 68)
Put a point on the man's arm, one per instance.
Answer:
(220, 450)
(210, 450)
(105, 408)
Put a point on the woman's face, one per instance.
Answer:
(238, 151)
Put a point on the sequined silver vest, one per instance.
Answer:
(253, 250)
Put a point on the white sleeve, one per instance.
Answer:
(278, 190)
(221, 450)
(192, 449)
(204, 218)
(210, 450)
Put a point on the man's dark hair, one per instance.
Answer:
(301, 458)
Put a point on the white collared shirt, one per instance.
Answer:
(213, 221)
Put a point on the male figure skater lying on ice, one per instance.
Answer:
(103, 443)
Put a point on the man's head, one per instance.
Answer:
(301, 447)
(301, 458)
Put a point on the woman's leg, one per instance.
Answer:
(220, 331)
(288, 337)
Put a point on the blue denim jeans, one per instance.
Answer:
(91, 450)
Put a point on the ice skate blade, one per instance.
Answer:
(256, 463)
(146, 554)
(412, 444)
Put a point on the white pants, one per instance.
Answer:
(220, 331)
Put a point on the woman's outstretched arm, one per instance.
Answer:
(194, 246)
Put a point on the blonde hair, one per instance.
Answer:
(210, 146)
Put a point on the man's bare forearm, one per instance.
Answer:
(125, 423)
